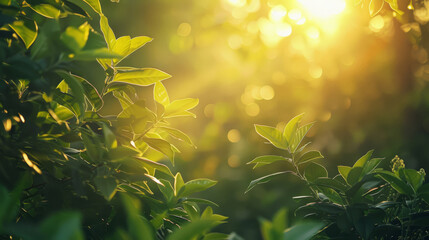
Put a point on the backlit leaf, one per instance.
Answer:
(95, 4)
(267, 159)
(291, 127)
(46, 10)
(26, 30)
(179, 108)
(264, 179)
(197, 185)
(315, 171)
(309, 156)
(160, 94)
(375, 7)
(273, 135)
(140, 76)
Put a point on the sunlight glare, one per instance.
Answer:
(237, 3)
(283, 29)
(277, 13)
(323, 9)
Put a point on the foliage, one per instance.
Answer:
(360, 202)
(68, 172)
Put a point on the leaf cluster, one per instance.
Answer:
(67, 171)
(363, 201)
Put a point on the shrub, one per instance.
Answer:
(68, 172)
(363, 201)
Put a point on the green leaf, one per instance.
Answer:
(299, 136)
(161, 146)
(315, 171)
(344, 171)
(394, 5)
(109, 137)
(178, 184)
(109, 35)
(371, 165)
(354, 175)
(309, 156)
(264, 179)
(151, 165)
(122, 45)
(76, 88)
(413, 177)
(396, 183)
(361, 162)
(160, 94)
(375, 7)
(273, 135)
(90, 55)
(95, 4)
(167, 190)
(106, 185)
(75, 38)
(138, 226)
(201, 201)
(191, 230)
(140, 76)
(303, 230)
(46, 10)
(216, 236)
(279, 220)
(126, 46)
(267, 159)
(197, 185)
(291, 127)
(69, 102)
(179, 108)
(330, 183)
(178, 134)
(26, 30)
(64, 225)
(122, 153)
(91, 93)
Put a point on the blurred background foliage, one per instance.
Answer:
(363, 78)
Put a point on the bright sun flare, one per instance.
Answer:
(323, 9)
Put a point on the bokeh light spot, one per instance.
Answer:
(277, 13)
(235, 41)
(234, 161)
(323, 9)
(234, 135)
(252, 109)
(237, 3)
(184, 29)
(267, 92)
(295, 14)
(283, 29)
(315, 71)
(376, 23)
(313, 33)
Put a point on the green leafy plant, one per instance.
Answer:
(363, 201)
(67, 171)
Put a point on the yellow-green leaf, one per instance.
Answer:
(75, 38)
(180, 107)
(108, 33)
(140, 76)
(375, 7)
(46, 10)
(160, 94)
(95, 4)
(273, 135)
(26, 30)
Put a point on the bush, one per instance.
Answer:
(360, 202)
(68, 172)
